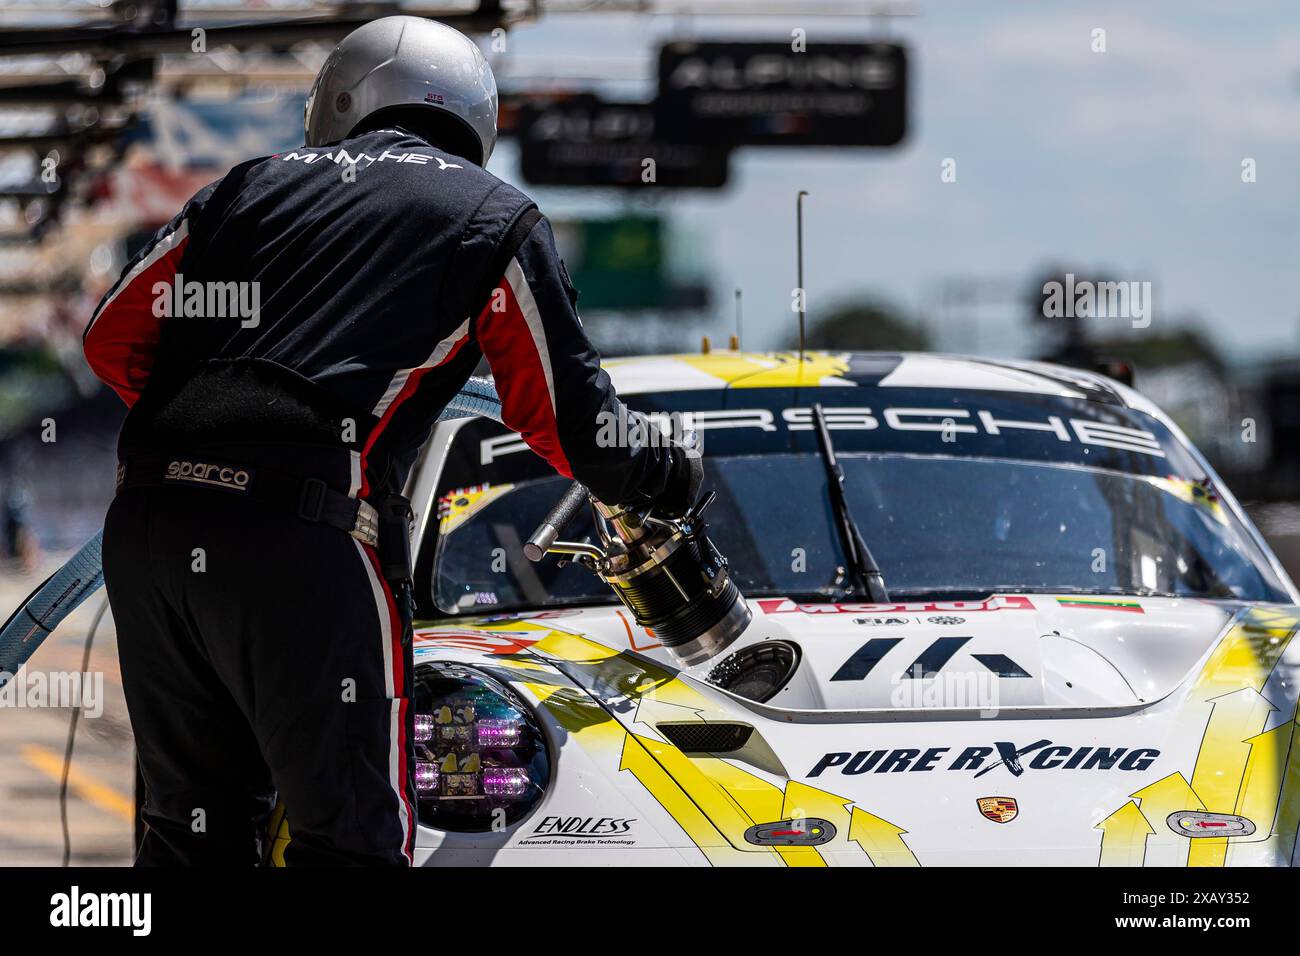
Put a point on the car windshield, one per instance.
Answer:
(961, 496)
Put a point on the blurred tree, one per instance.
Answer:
(867, 324)
(1182, 346)
(1070, 341)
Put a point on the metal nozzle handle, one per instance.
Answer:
(565, 510)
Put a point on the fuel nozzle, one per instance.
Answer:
(664, 570)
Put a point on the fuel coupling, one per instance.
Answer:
(664, 570)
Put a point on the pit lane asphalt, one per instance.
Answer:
(32, 742)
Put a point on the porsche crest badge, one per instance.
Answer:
(999, 809)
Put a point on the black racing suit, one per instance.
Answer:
(305, 319)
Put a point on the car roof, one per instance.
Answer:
(734, 369)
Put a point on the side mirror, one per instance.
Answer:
(1118, 369)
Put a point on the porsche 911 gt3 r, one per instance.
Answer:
(1085, 659)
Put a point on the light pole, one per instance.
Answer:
(802, 292)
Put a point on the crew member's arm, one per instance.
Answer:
(553, 390)
(123, 334)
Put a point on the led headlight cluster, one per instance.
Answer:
(481, 760)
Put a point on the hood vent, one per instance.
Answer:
(757, 672)
(702, 738)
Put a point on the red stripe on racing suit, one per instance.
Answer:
(123, 334)
(553, 390)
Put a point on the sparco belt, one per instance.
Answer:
(309, 498)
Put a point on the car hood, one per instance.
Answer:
(1053, 651)
(1062, 652)
(1092, 730)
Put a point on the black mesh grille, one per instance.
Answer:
(705, 738)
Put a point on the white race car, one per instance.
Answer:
(1086, 657)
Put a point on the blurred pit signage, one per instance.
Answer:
(583, 140)
(616, 263)
(769, 94)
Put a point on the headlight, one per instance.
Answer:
(480, 758)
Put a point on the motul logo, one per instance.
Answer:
(208, 473)
(1008, 602)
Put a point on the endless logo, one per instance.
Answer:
(209, 473)
(582, 826)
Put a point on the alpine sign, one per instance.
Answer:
(585, 141)
(778, 94)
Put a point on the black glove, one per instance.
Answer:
(684, 481)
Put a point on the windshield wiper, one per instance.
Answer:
(862, 566)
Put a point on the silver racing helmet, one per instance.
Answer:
(400, 63)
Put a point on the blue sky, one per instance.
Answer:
(1128, 160)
